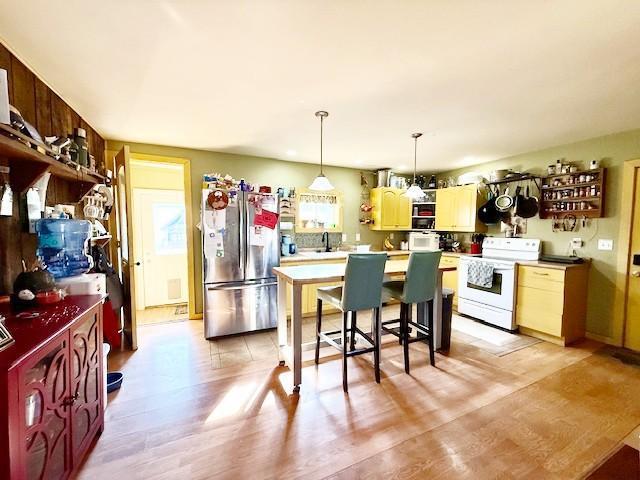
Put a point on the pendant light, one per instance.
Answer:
(321, 183)
(414, 192)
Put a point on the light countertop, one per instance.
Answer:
(312, 256)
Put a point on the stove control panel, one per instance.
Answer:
(512, 248)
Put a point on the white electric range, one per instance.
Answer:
(496, 304)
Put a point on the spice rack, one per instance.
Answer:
(580, 194)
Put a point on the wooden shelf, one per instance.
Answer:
(101, 240)
(546, 210)
(569, 186)
(423, 216)
(573, 199)
(558, 175)
(28, 165)
(423, 203)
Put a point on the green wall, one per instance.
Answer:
(265, 171)
(612, 150)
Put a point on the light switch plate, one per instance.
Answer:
(344, 238)
(576, 242)
(605, 244)
(357, 237)
(391, 235)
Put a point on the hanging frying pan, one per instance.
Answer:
(487, 213)
(528, 206)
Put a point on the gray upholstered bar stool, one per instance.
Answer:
(362, 290)
(418, 287)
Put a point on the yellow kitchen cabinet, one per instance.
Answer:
(391, 209)
(450, 279)
(457, 209)
(551, 301)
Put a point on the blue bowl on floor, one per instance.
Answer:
(114, 381)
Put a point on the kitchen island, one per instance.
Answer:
(298, 276)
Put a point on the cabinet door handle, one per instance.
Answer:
(541, 274)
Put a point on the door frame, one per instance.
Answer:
(623, 266)
(188, 203)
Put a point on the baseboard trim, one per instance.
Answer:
(602, 339)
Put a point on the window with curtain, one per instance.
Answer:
(319, 212)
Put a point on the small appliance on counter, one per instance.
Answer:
(285, 245)
(424, 241)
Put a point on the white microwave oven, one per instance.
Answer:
(421, 241)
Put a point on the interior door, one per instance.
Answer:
(161, 245)
(124, 199)
(632, 329)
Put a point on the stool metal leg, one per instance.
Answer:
(376, 336)
(432, 357)
(401, 327)
(318, 328)
(352, 336)
(344, 351)
(405, 341)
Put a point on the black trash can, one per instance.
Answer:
(447, 312)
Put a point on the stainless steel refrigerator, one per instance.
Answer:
(240, 292)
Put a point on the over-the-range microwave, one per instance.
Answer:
(424, 241)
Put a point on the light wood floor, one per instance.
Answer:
(540, 412)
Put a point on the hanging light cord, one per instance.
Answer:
(321, 124)
(415, 136)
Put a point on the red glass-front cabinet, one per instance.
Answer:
(54, 393)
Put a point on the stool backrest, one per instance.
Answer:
(363, 281)
(420, 282)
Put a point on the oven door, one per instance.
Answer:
(500, 294)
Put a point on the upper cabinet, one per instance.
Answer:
(457, 209)
(391, 209)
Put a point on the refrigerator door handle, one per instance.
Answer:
(246, 235)
(243, 286)
(241, 235)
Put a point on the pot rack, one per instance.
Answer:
(519, 178)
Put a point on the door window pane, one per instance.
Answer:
(169, 228)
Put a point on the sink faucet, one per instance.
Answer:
(325, 241)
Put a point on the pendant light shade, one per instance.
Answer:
(414, 192)
(321, 183)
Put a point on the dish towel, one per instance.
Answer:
(480, 274)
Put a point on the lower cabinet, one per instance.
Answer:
(450, 279)
(551, 302)
(54, 399)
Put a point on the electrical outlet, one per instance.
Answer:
(357, 237)
(391, 235)
(605, 244)
(576, 242)
(344, 238)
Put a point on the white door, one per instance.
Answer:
(161, 247)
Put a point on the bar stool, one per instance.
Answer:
(418, 287)
(362, 290)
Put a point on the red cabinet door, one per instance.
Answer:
(43, 439)
(86, 382)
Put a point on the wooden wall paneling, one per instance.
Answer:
(60, 116)
(43, 109)
(24, 90)
(5, 64)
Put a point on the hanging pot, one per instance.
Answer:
(528, 207)
(487, 213)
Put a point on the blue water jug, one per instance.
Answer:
(63, 246)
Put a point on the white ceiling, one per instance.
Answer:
(487, 79)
